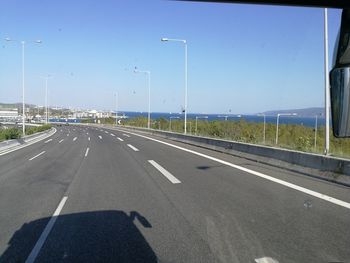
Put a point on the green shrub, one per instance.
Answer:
(9, 134)
(32, 130)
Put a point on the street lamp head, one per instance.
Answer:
(38, 41)
(164, 39)
(7, 39)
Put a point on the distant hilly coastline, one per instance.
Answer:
(16, 105)
(307, 112)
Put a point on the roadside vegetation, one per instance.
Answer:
(8, 134)
(35, 129)
(294, 137)
(16, 133)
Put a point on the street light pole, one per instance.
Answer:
(264, 129)
(278, 116)
(172, 117)
(315, 133)
(199, 117)
(23, 104)
(46, 114)
(116, 109)
(185, 129)
(185, 43)
(326, 79)
(149, 94)
(264, 133)
(46, 78)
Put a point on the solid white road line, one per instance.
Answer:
(120, 139)
(258, 174)
(35, 251)
(87, 151)
(36, 155)
(74, 139)
(112, 134)
(126, 135)
(100, 137)
(132, 147)
(168, 175)
(89, 138)
(61, 141)
(49, 140)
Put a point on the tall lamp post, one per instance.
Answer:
(116, 108)
(149, 94)
(264, 133)
(185, 44)
(278, 117)
(23, 105)
(199, 117)
(172, 117)
(326, 80)
(46, 78)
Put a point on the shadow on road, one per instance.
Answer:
(99, 236)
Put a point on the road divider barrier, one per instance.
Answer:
(320, 166)
(16, 144)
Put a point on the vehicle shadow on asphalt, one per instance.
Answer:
(98, 236)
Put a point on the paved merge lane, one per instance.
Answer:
(158, 203)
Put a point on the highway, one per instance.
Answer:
(90, 194)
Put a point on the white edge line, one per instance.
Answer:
(49, 140)
(267, 177)
(126, 135)
(36, 155)
(87, 151)
(35, 251)
(168, 175)
(133, 147)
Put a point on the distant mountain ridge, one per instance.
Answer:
(307, 112)
(17, 105)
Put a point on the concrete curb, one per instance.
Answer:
(16, 144)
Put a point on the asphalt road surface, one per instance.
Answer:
(90, 194)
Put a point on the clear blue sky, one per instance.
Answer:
(242, 58)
